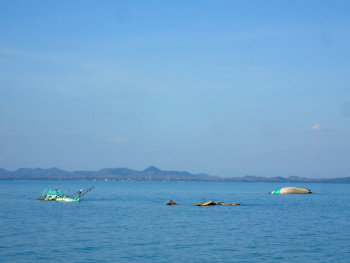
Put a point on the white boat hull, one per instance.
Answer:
(292, 190)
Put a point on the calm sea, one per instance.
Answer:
(130, 222)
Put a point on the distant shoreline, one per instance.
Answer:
(150, 174)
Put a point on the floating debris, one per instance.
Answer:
(214, 203)
(292, 190)
(58, 195)
(172, 203)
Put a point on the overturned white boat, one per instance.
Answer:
(58, 195)
(292, 190)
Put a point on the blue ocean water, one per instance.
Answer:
(130, 222)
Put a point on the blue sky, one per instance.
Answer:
(227, 88)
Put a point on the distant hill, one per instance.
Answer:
(152, 173)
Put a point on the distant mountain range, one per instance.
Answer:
(150, 174)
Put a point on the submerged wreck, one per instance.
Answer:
(214, 203)
(292, 190)
(171, 202)
(58, 195)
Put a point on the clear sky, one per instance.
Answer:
(228, 88)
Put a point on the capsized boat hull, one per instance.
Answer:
(292, 190)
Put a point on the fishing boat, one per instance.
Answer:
(58, 195)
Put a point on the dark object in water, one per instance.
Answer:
(214, 203)
(292, 190)
(172, 203)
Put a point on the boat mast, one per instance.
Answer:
(82, 194)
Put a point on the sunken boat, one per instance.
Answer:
(58, 195)
(214, 203)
